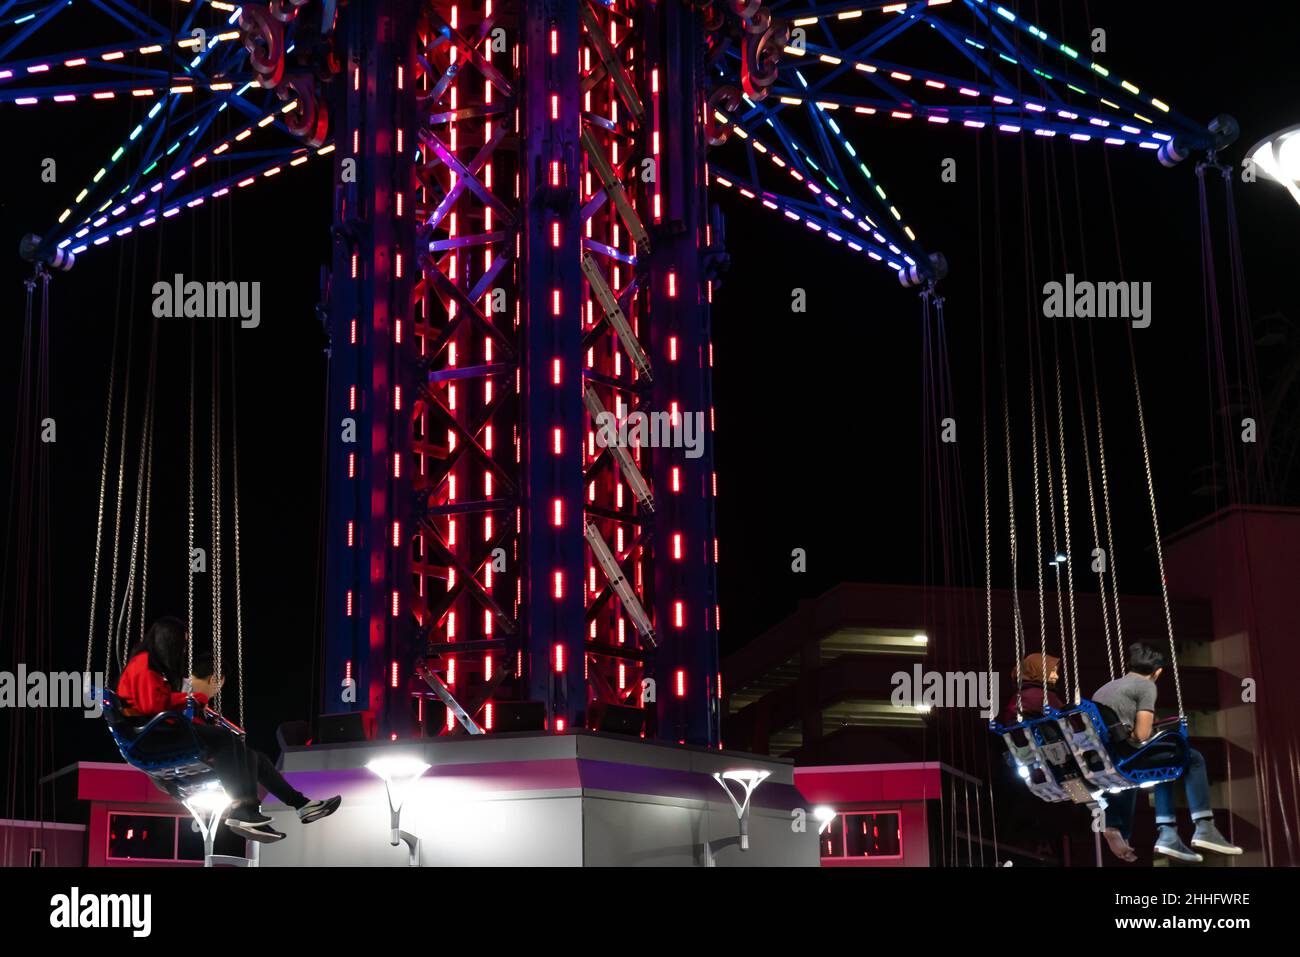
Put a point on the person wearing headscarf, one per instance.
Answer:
(1029, 678)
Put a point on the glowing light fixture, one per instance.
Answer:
(208, 804)
(399, 772)
(1278, 156)
(824, 815)
(748, 780)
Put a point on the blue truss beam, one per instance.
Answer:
(768, 113)
(147, 217)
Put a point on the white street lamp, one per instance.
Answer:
(399, 773)
(208, 804)
(748, 780)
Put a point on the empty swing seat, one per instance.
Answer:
(1043, 759)
(1108, 760)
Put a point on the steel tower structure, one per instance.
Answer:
(519, 251)
(523, 244)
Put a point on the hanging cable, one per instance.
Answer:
(144, 544)
(1085, 447)
(18, 541)
(1110, 568)
(1243, 328)
(984, 461)
(1069, 653)
(234, 494)
(125, 617)
(215, 565)
(117, 653)
(189, 555)
(1033, 436)
(1146, 467)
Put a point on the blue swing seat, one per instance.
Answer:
(1072, 753)
(176, 762)
(178, 766)
(1099, 742)
(1038, 749)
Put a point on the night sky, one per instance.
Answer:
(819, 415)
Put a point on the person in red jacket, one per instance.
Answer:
(154, 681)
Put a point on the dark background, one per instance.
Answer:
(819, 415)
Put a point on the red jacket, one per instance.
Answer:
(146, 692)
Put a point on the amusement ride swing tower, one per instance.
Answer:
(523, 246)
(523, 243)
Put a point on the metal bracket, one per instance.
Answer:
(446, 697)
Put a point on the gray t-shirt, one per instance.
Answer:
(1127, 696)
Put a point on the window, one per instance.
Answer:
(142, 837)
(874, 835)
(36, 857)
(164, 837)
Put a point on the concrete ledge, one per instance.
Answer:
(540, 800)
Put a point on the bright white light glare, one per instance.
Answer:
(1278, 157)
(746, 776)
(1023, 772)
(394, 767)
(824, 814)
(211, 798)
(398, 772)
(1288, 154)
(921, 639)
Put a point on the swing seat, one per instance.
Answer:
(1038, 750)
(1100, 744)
(177, 763)
(178, 766)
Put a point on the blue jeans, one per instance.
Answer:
(1197, 785)
(1119, 811)
(1120, 807)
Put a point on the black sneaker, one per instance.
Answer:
(263, 833)
(248, 814)
(315, 810)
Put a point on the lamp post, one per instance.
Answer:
(399, 773)
(208, 805)
(749, 780)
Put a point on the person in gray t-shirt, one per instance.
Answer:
(1128, 697)
(1133, 699)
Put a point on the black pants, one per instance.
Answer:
(241, 768)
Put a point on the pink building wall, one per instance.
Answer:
(61, 845)
(1246, 562)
